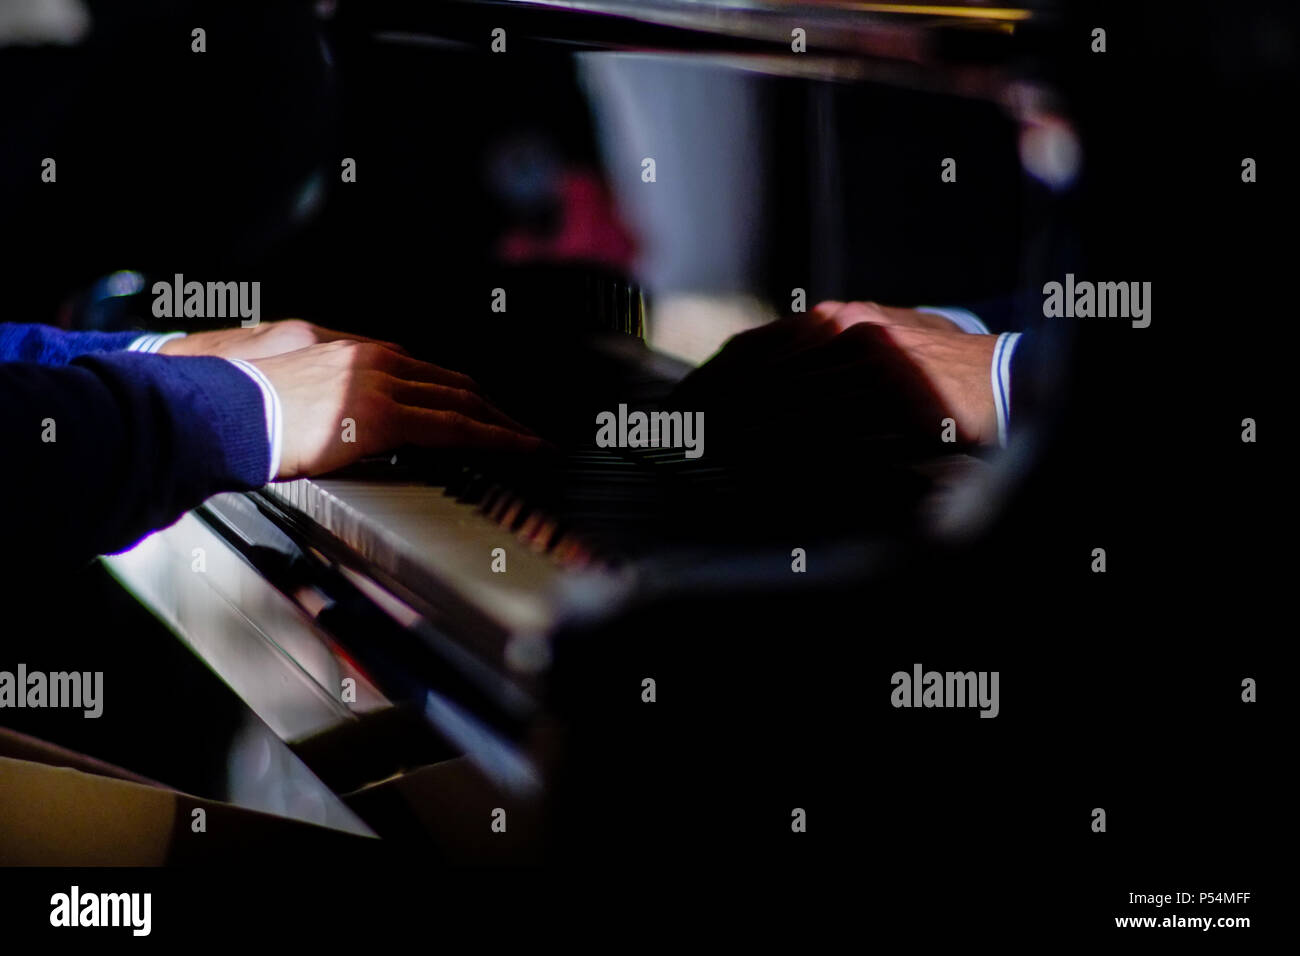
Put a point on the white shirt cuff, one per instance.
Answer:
(152, 342)
(1000, 373)
(964, 319)
(274, 415)
(1001, 379)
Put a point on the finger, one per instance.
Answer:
(828, 308)
(440, 429)
(878, 331)
(850, 314)
(414, 370)
(778, 338)
(333, 335)
(840, 315)
(801, 334)
(853, 312)
(867, 346)
(445, 398)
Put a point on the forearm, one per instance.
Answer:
(46, 345)
(1008, 364)
(114, 445)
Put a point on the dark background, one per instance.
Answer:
(1119, 690)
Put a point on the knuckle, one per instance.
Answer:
(859, 332)
(457, 422)
(377, 383)
(377, 406)
(363, 353)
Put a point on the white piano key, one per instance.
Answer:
(415, 530)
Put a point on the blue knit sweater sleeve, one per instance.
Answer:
(112, 445)
(50, 346)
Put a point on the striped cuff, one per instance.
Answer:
(1001, 378)
(151, 343)
(1000, 373)
(964, 319)
(274, 414)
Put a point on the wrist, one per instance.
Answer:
(1000, 380)
(154, 343)
(954, 318)
(180, 344)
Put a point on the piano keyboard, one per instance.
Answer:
(433, 525)
(431, 542)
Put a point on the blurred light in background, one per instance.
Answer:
(698, 223)
(33, 22)
(123, 282)
(1050, 151)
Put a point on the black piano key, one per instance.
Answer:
(472, 490)
(491, 497)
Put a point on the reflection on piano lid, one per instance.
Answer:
(842, 39)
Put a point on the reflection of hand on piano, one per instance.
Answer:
(847, 371)
(846, 314)
(344, 400)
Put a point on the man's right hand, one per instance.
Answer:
(392, 400)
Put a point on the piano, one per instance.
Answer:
(594, 640)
